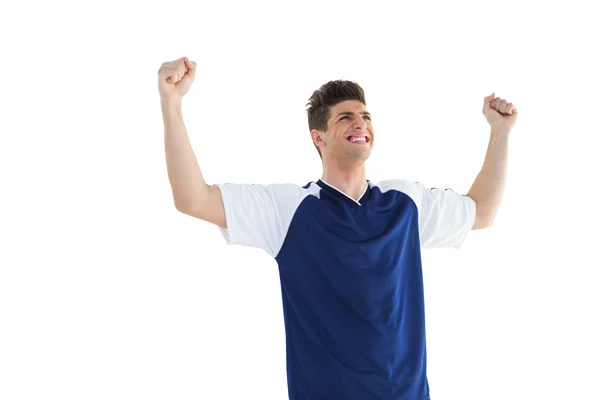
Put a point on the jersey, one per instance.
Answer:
(351, 278)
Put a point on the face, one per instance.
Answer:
(349, 135)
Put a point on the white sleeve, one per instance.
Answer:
(445, 217)
(259, 215)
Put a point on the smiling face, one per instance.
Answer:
(349, 136)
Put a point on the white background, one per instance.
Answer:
(107, 292)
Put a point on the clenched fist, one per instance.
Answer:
(500, 114)
(175, 78)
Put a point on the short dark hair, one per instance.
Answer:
(327, 96)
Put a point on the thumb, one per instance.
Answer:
(188, 78)
(191, 68)
(487, 100)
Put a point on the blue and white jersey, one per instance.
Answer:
(351, 278)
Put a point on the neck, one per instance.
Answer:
(350, 179)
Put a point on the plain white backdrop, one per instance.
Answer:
(107, 292)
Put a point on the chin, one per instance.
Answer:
(362, 155)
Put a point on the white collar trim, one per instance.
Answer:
(361, 196)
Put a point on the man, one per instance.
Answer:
(348, 249)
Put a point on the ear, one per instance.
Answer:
(316, 136)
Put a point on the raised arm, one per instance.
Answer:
(191, 194)
(488, 189)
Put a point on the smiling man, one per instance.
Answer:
(348, 249)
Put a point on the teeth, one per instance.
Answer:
(358, 139)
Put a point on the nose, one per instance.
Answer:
(360, 123)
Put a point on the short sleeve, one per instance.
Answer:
(445, 217)
(259, 215)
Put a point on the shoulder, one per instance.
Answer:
(273, 187)
(276, 193)
(411, 188)
(291, 190)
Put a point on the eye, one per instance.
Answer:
(345, 116)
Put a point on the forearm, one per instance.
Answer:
(187, 183)
(488, 188)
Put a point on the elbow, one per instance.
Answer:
(185, 207)
(190, 199)
(482, 220)
(181, 205)
(484, 216)
(481, 223)
(182, 208)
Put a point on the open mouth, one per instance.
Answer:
(358, 139)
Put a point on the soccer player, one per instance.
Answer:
(348, 249)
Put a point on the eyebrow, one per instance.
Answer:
(349, 113)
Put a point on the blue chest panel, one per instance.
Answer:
(352, 292)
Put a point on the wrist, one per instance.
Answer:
(170, 102)
(499, 132)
